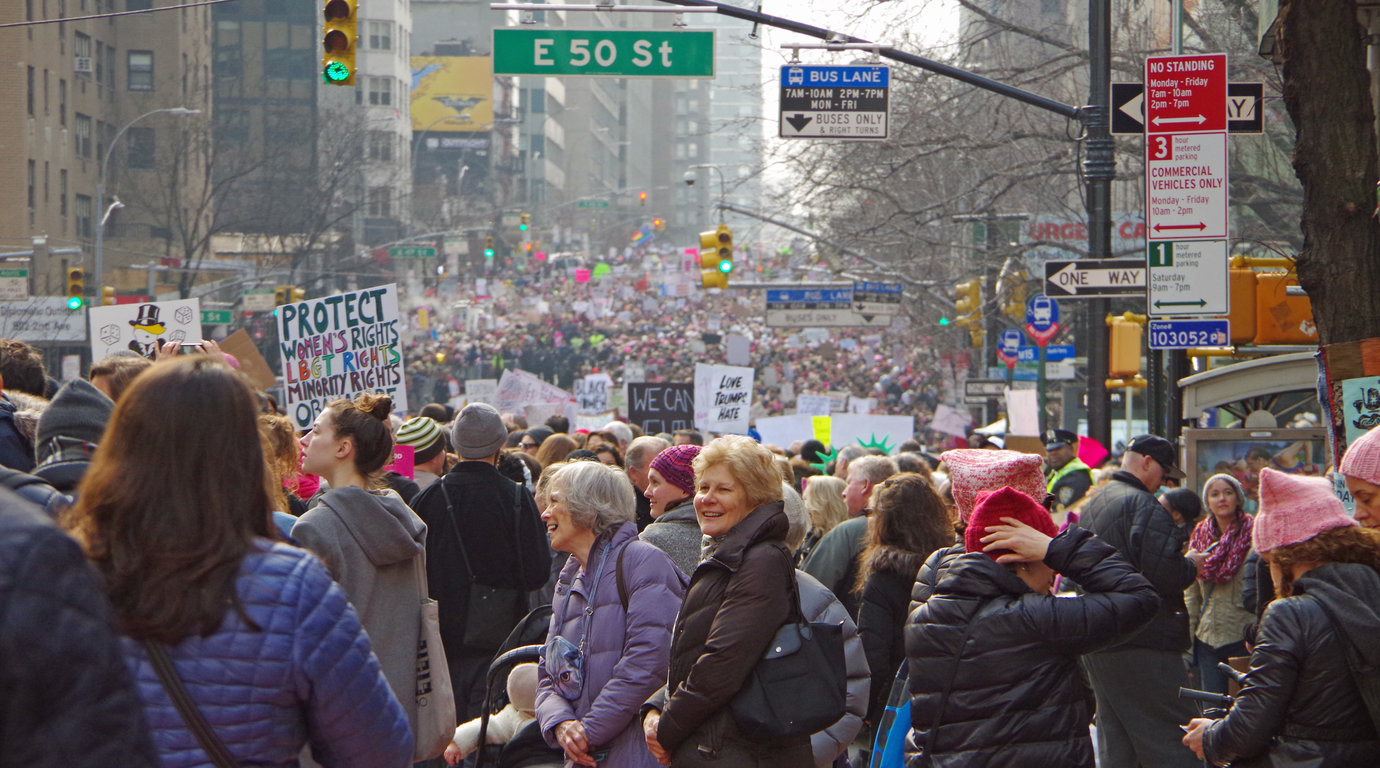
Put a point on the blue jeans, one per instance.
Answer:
(1210, 678)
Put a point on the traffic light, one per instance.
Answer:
(76, 288)
(1014, 306)
(526, 221)
(338, 44)
(107, 295)
(968, 306)
(489, 247)
(298, 294)
(724, 237)
(1124, 346)
(659, 224)
(282, 294)
(712, 274)
(642, 198)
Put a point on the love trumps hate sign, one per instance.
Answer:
(339, 347)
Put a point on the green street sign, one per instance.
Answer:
(592, 204)
(412, 252)
(216, 317)
(21, 272)
(604, 52)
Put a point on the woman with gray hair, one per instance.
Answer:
(614, 605)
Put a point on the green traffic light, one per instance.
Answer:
(74, 302)
(336, 72)
(943, 321)
(725, 267)
(488, 253)
(522, 227)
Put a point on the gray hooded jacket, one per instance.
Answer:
(369, 541)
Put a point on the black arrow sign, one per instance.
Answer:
(1199, 303)
(798, 122)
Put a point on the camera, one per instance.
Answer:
(689, 178)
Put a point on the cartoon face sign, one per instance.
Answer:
(148, 331)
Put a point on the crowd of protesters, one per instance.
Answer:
(185, 581)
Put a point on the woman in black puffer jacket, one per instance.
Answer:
(1304, 701)
(1022, 702)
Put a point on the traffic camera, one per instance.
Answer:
(338, 43)
(76, 288)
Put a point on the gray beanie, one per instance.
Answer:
(68, 432)
(1233, 483)
(478, 432)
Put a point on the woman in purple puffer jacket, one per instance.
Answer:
(610, 639)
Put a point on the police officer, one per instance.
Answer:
(1069, 478)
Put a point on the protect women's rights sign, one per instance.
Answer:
(338, 347)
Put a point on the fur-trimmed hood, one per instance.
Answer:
(889, 559)
(27, 409)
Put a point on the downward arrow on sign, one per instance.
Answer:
(798, 122)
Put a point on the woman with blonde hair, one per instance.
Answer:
(267, 647)
(824, 503)
(555, 448)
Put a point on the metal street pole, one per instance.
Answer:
(1099, 169)
(98, 268)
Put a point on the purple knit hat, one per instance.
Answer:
(673, 464)
(1362, 459)
(1294, 509)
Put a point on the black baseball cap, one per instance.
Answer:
(1160, 450)
(1058, 438)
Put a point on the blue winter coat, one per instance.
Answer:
(627, 654)
(307, 675)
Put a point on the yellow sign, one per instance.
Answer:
(452, 94)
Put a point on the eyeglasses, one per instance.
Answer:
(527, 445)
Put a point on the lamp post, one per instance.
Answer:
(723, 185)
(100, 187)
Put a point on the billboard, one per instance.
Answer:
(452, 94)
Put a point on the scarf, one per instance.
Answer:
(1223, 562)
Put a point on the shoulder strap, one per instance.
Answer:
(933, 735)
(622, 582)
(196, 723)
(455, 526)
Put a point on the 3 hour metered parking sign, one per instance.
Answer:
(849, 102)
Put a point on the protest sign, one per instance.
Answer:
(1022, 412)
(592, 393)
(404, 461)
(871, 430)
(737, 349)
(784, 430)
(481, 390)
(951, 421)
(338, 347)
(814, 405)
(661, 407)
(723, 395)
(861, 404)
(518, 388)
(142, 327)
(251, 360)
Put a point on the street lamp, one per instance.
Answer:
(100, 185)
(723, 183)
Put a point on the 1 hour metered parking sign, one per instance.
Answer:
(850, 102)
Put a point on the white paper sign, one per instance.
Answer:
(784, 430)
(814, 405)
(951, 421)
(592, 394)
(338, 347)
(1022, 412)
(142, 327)
(737, 350)
(518, 389)
(723, 397)
(870, 430)
(861, 404)
(481, 390)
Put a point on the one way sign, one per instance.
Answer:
(1244, 101)
(1094, 278)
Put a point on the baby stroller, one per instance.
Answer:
(527, 749)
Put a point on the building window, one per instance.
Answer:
(47, 183)
(381, 35)
(62, 101)
(62, 193)
(110, 66)
(31, 91)
(81, 50)
(100, 63)
(381, 91)
(380, 202)
(140, 71)
(33, 184)
(83, 134)
(84, 216)
(138, 5)
(140, 141)
(381, 146)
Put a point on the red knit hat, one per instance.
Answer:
(971, 471)
(1362, 459)
(992, 506)
(1294, 509)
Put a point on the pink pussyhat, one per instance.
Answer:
(1362, 459)
(971, 471)
(1294, 509)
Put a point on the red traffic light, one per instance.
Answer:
(337, 9)
(335, 40)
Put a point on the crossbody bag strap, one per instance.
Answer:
(517, 529)
(191, 715)
(455, 526)
(948, 687)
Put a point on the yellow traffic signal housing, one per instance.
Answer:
(724, 236)
(338, 43)
(712, 274)
(525, 221)
(76, 288)
(107, 295)
(1014, 306)
(1124, 345)
(298, 294)
(282, 294)
(968, 306)
(489, 247)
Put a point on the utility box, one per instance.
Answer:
(1280, 318)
